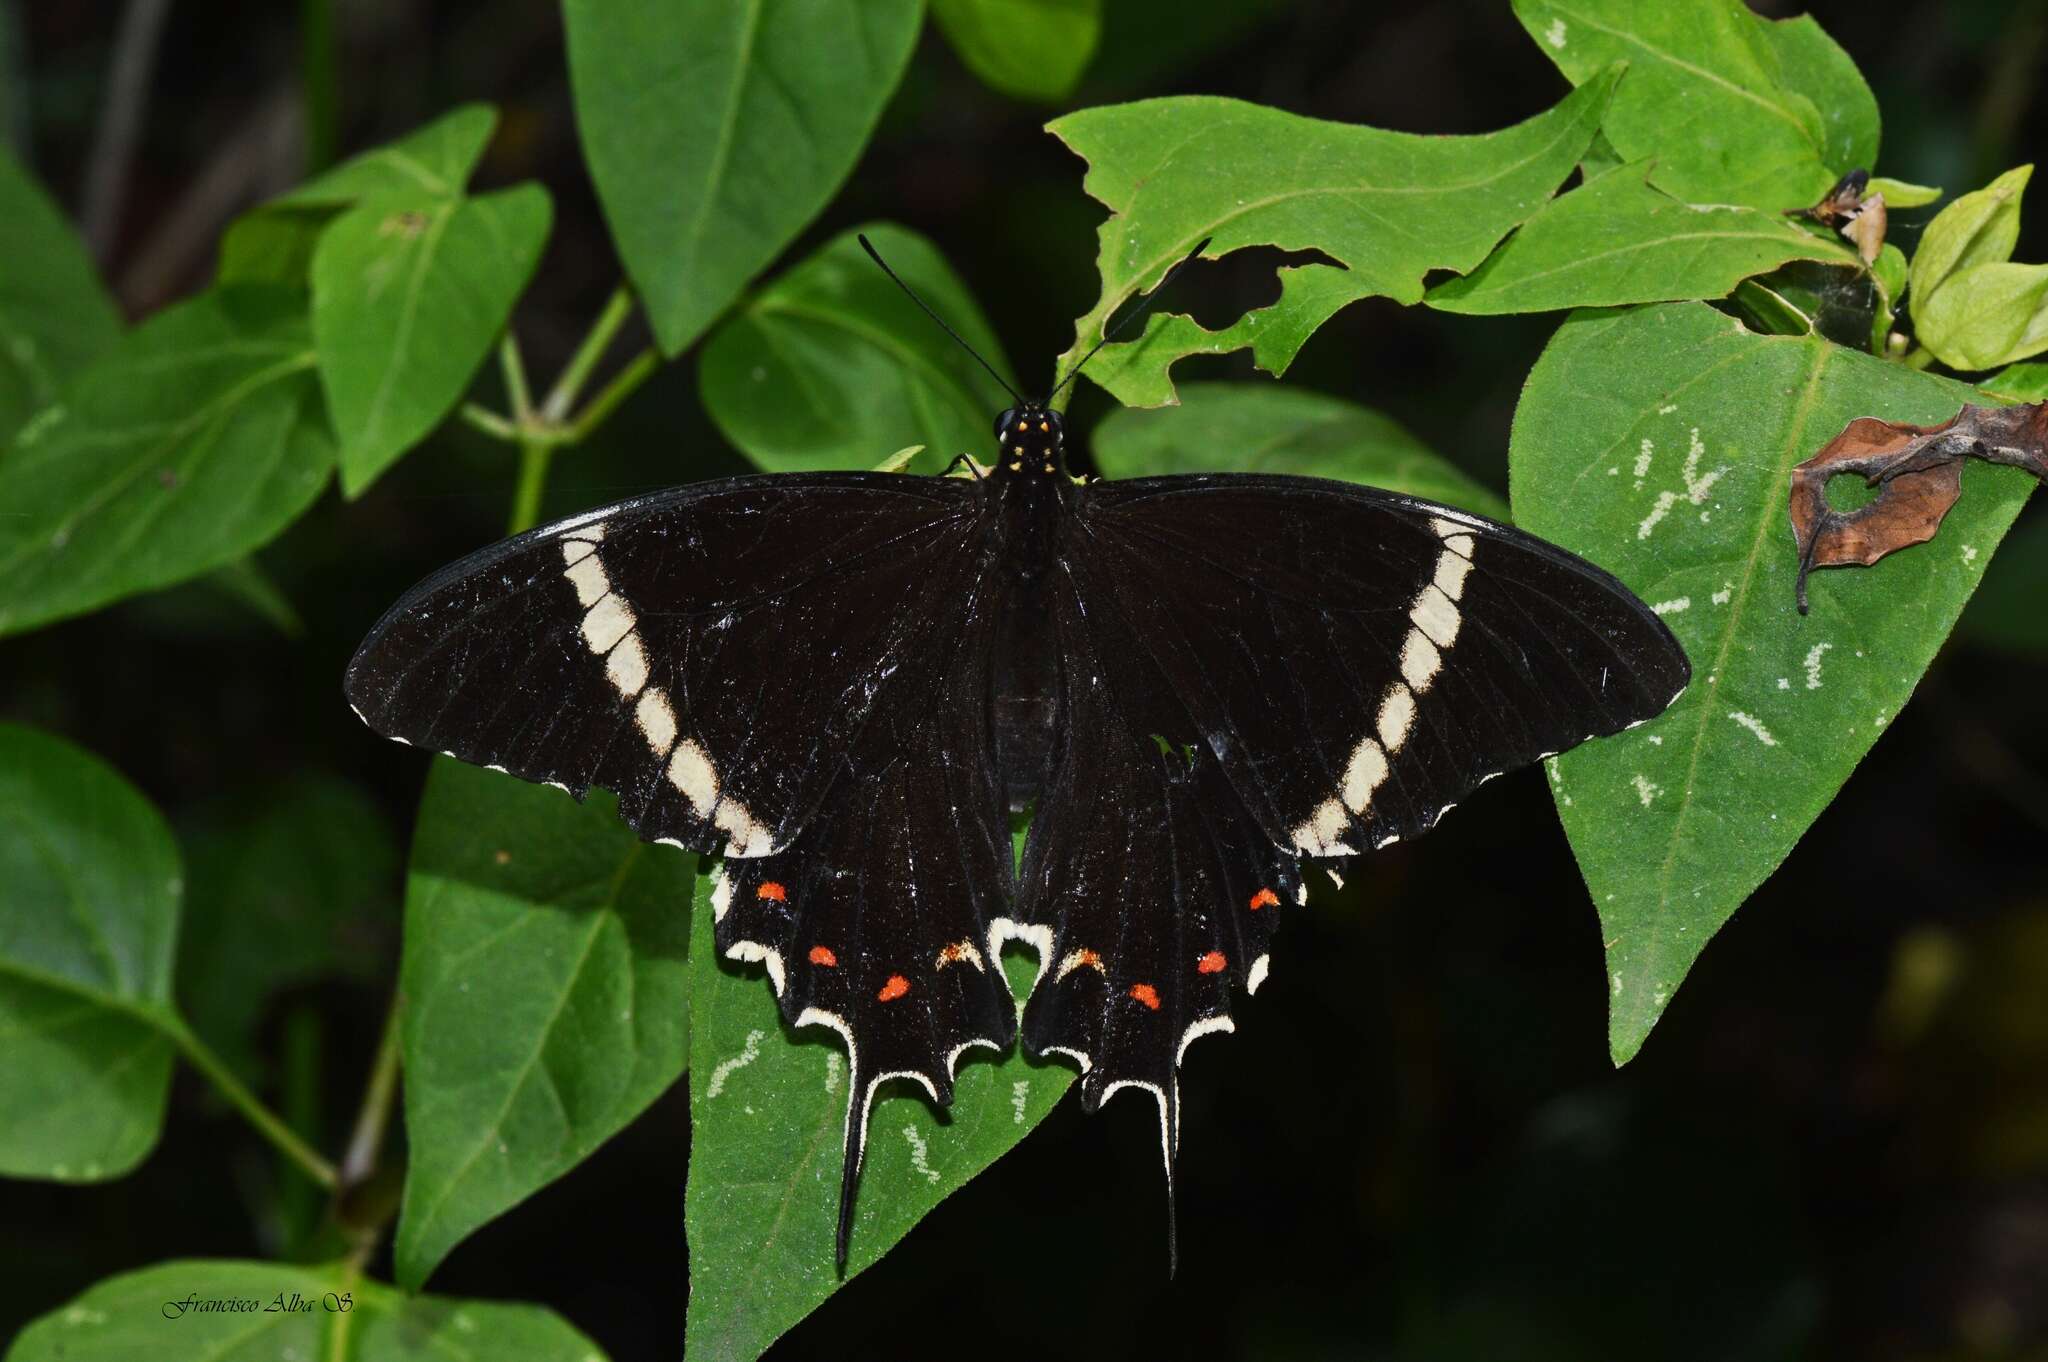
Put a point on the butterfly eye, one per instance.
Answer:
(1005, 421)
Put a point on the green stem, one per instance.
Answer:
(569, 386)
(515, 379)
(1920, 358)
(622, 386)
(374, 1116)
(490, 423)
(202, 1058)
(534, 456)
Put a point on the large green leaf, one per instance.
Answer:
(223, 1310)
(1618, 239)
(1659, 442)
(1036, 49)
(1388, 206)
(1733, 107)
(830, 365)
(54, 315)
(409, 295)
(1987, 316)
(1271, 428)
(546, 995)
(89, 890)
(715, 130)
(1979, 228)
(193, 441)
(767, 1110)
(286, 890)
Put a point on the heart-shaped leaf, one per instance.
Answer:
(1619, 239)
(1035, 49)
(1387, 206)
(409, 295)
(830, 363)
(706, 162)
(1977, 229)
(1659, 443)
(54, 315)
(91, 889)
(1270, 428)
(546, 995)
(197, 438)
(767, 1112)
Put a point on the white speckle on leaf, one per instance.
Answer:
(1646, 790)
(1665, 501)
(1554, 35)
(918, 1154)
(750, 1052)
(1614, 472)
(1657, 998)
(1697, 485)
(1617, 983)
(1813, 664)
(833, 1065)
(1672, 607)
(464, 1322)
(1646, 452)
(1725, 594)
(78, 1314)
(1784, 684)
(1667, 409)
(1754, 725)
(1969, 554)
(1019, 1090)
(1656, 740)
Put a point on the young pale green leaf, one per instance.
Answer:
(225, 1310)
(433, 163)
(705, 162)
(1987, 315)
(831, 363)
(1980, 228)
(54, 315)
(91, 884)
(409, 295)
(285, 892)
(1619, 239)
(1034, 49)
(546, 995)
(1733, 107)
(1270, 428)
(1659, 443)
(197, 438)
(767, 1111)
(2021, 383)
(1900, 193)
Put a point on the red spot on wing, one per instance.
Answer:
(894, 989)
(772, 889)
(1212, 963)
(822, 955)
(1146, 994)
(1265, 898)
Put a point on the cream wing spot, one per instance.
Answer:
(587, 575)
(1257, 975)
(691, 772)
(1420, 661)
(610, 620)
(1435, 614)
(1451, 569)
(627, 666)
(1363, 775)
(656, 720)
(1396, 717)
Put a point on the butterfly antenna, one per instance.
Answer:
(876, 256)
(1127, 322)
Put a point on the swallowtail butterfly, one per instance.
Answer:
(845, 682)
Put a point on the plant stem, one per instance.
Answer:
(533, 480)
(570, 385)
(359, 1161)
(1920, 358)
(266, 1121)
(622, 386)
(515, 378)
(490, 423)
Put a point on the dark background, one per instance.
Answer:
(1835, 1145)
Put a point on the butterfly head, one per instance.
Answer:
(1031, 437)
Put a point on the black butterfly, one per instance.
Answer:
(844, 682)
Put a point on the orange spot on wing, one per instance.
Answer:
(1212, 963)
(1265, 898)
(1146, 994)
(822, 955)
(772, 889)
(894, 989)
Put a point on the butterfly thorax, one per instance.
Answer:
(1028, 484)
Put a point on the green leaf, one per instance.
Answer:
(54, 315)
(176, 1310)
(195, 440)
(1389, 206)
(1034, 49)
(1889, 272)
(86, 941)
(830, 364)
(1977, 229)
(1771, 311)
(1659, 442)
(1987, 315)
(1900, 193)
(1734, 108)
(433, 163)
(715, 131)
(2020, 383)
(286, 890)
(408, 298)
(272, 246)
(546, 995)
(1618, 239)
(1272, 428)
(767, 1110)
(2006, 612)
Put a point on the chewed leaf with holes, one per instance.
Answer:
(767, 1113)
(1387, 207)
(1661, 441)
(546, 996)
